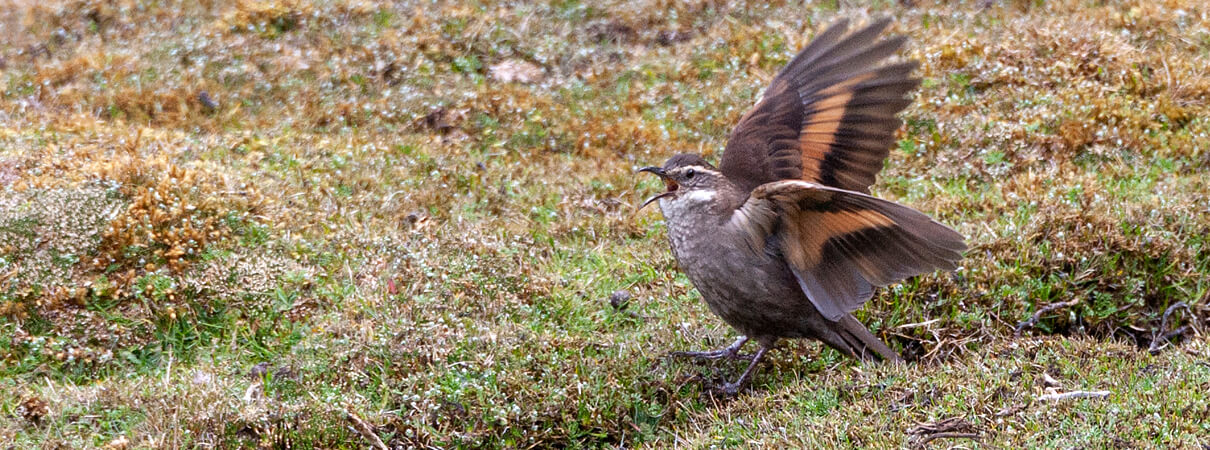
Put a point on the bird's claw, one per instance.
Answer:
(731, 352)
(729, 389)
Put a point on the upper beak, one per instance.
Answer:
(653, 169)
(671, 185)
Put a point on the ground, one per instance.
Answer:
(318, 224)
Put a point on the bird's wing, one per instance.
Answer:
(840, 244)
(828, 117)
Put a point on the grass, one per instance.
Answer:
(236, 224)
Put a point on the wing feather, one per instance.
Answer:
(829, 117)
(841, 244)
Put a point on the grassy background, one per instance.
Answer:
(238, 224)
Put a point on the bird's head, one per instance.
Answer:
(687, 178)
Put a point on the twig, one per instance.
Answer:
(1010, 410)
(1038, 315)
(918, 324)
(941, 426)
(364, 430)
(1073, 394)
(925, 439)
(1179, 331)
(1168, 312)
(953, 427)
(1160, 337)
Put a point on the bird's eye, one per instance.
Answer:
(689, 173)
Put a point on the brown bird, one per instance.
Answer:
(783, 240)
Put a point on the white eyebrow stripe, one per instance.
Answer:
(697, 168)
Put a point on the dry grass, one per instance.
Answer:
(232, 223)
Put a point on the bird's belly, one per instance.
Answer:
(755, 293)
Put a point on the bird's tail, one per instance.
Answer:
(860, 343)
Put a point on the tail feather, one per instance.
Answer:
(860, 343)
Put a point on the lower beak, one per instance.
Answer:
(653, 199)
(671, 185)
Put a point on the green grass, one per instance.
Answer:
(371, 223)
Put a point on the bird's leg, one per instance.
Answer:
(734, 388)
(731, 352)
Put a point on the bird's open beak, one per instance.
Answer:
(668, 183)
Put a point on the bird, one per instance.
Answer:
(783, 239)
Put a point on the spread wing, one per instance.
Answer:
(840, 244)
(828, 117)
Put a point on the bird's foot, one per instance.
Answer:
(731, 352)
(712, 355)
(732, 389)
